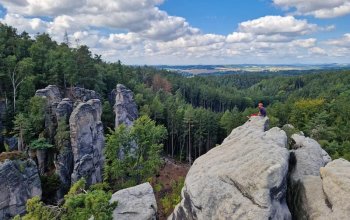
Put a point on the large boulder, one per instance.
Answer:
(51, 92)
(305, 194)
(136, 202)
(87, 141)
(19, 181)
(336, 186)
(308, 155)
(243, 178)
(81, 94)
(125, 108)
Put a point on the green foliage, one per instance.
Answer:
(36, 210)
(22, 129)
(49, 184)
(62, 136)
(40, 144)
(37, 114)
(107, 116)
(133, 155)
(80, 204)
(169, 201)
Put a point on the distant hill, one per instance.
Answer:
(191, 70)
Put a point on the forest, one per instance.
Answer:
(190, 115)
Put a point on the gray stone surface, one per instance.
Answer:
(19, 181)
(336, 186)
(87, 141)
(51, 92)
(309, 156)
(12, 143)
(243, 178)
(81, 94)
(305, 195)
(64, 158)
(125, 108)
(135, 203)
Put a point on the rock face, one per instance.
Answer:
(51, 92)
(323, 196)
(243, 178)
(125, 108)
(336, 186)
(64, 159)
(83, 157)
(305, 193)
(81, 94)
(19, 181)
(12, 143)
(53, 96)
(136, 202)
(87, 141)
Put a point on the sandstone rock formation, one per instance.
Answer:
(64, 158)
(53, 96)
(136, 202)
(82, 158)
(243, 178)
(305, 193)
(19, 181)
(336, 185)
(325, 196)
(125, 108)
(87, 141)
(51, 92)
(81, 94)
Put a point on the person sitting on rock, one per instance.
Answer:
(262, 111)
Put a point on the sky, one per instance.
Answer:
(181, 32)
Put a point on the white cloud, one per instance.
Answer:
(317, 51)
(317, 8)
(137, 31)
(340, 42)
(271, 25)
(30, 25)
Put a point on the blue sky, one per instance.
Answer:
(193, 31)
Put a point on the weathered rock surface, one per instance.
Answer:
(309, 156)
(336, 185)
(136, 202)
(87, 141)
(64, 158)
(125, 108)
(12, 143)
(305, 195)
(243, 178)
(19, 181)
(51, 92)
(81, 94)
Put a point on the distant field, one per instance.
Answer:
(226, 69)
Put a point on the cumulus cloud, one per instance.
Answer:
(137, 31)
(272, 25)
(317, 8)
(142, 16)
(340, 42)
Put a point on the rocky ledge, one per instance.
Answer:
(257, 174)
(19, 181)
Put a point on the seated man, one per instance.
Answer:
(262, 110)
